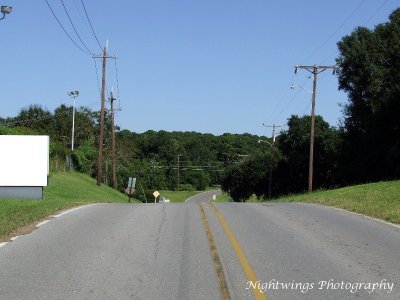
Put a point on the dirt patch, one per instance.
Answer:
(19, 231)
(31, 227)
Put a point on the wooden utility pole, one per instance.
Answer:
(315, 70)
(101, 135)
(272, 151)
(177, 187)
(114, 174)
(102, 116)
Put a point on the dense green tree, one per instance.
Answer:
(36, 117)
(291, 175)
(288, 160)
(369, 72)
(248, 177)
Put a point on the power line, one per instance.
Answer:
(376, 11)
(65, 31)
(366, 23)
(116, 76)
(73, 26)
(336, 31)
(280, 99)
(97, 75)
(308, 106)
(289, 103)
(90, 23)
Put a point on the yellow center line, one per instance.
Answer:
(214, 253)
(239, 253)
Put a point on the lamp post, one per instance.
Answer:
(5, 10)
(73, 95)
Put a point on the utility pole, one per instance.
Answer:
(315, 70)
(101, 134)
(272, 151)
(177, 187)
(114, 175)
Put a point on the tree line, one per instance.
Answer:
(151, 157)
(365, 147)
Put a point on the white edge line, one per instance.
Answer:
(368, 217)
(46, 221)
(71, 210)
(42, 223)
(354, 213)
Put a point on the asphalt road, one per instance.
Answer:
(162, 251)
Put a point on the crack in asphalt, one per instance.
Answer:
(157, 240)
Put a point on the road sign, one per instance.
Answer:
(156, 194)
(131, 187)
(132, 182)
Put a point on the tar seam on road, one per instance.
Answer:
(214, 253)
(239, 253)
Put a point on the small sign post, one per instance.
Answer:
(131, 188)
(156, 194)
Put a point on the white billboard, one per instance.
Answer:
(24, 160)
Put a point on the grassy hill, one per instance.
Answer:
(379, 200)
(65, 190)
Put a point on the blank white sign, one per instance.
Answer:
(24, 160)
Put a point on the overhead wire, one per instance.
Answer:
(73, 26)
(279, 101)
(65, 31)
(376, 11)
(318, 49)
(97, 75)
(290, 101)
(336, 31)
(116, 76)
(91, 26)
(366, 22)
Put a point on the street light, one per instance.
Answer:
(293, 86)
(73, 95)
(5, 10)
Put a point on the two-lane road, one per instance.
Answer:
(162, 251)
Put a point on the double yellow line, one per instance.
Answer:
(237, 249)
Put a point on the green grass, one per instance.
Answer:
(379, 200)
(223, 198)
(176, 196)
(65, 190)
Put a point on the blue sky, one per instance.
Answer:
(206, 66)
